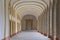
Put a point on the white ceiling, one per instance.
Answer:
(30, 9)
(34, 7)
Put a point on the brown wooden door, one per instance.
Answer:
(29, 24)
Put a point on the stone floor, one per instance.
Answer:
(29, 35)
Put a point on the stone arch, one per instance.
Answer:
(29, 17)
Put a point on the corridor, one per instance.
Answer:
(18, 17)
(29, 35)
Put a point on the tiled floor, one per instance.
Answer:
(29, 35)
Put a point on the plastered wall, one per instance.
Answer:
(1, 19)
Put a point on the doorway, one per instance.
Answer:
(29, 24)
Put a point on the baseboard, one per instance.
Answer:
(45, 34)
(8, 38)
(51, 37)
(57, 38)
(14, 34)
(40, 32)
(37, 31)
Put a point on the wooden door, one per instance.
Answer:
(29, 24)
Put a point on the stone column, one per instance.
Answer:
(48, 24)
(50, 20)
(45, 23)
(41, 23)
(58, 20)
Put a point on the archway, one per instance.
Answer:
(29, 22)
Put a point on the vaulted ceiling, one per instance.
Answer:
(30, 7)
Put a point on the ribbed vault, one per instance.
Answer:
(34, 7)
